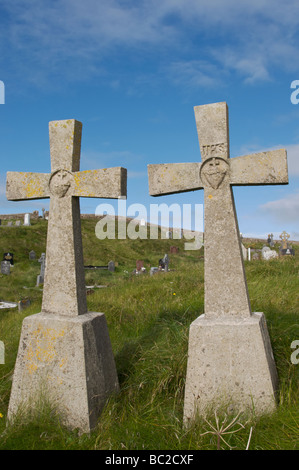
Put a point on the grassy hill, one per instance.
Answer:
(148, 319)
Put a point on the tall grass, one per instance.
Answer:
(148, 319)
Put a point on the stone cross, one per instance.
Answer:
(64, 287)
(284, 238)
(65, 351)
(226, 298)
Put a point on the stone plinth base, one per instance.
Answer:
(68, 361)
(230, 362)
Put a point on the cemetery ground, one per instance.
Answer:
(148, 319)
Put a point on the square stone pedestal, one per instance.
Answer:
(67, 360)
(230, 362)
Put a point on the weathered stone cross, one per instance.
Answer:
(64, 287)
(65, 352)
(226, 296)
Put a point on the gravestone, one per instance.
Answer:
(4, 305)
(270, 254)
(2, 353)
(23, 304)
(65, 351)
(230, 358)
(8, 257)
(111, 266)
(265, 249)
(9, 223)
(27, 220)
(244, 251)
(5, 267)
(153, 270)
(285, 248)
(32, 255)
(18, 223)
(139, 265)
(166, 262)
(270, 240)
(41, 276)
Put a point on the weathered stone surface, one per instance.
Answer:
(226, 293)
(64, 306)
(230, 364)
(68, 361)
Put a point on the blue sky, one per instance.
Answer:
(132, 72)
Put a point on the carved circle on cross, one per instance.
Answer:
(213, 171)
(60, 182)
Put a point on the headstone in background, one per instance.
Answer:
(4, 305)
(139, 265)
(265, 249)
(2, 353)
(23, 304)
(271, 254)
(272, 244)
(27, 220)
(166, 262)
(153, 271)
(5, 267)
(18, 223)
(285, 248)
(244, 251)
(9, 223)
(111, 266)
(284, 236)
(8, 257)
(41, 276)
(32, 255)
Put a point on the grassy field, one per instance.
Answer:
(148, 319)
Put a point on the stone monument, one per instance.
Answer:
(27, 220)
(285, 248)
(65, 352)
(230, 358)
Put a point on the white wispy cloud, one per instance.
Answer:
(73, 39)
(285, 210)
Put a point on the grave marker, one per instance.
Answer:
(5, 267)
(230, 357)
(41, 276)
(27, 220)
(32, 255)
(65, 351)
(8, 257)
(111, 266)
(139, 265)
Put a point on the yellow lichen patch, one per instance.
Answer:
(42, 348)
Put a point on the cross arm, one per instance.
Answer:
(110, 183)
(21, 185)
(260, 168)
(173, 178)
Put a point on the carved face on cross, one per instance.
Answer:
(225, 284)
(64, 287)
